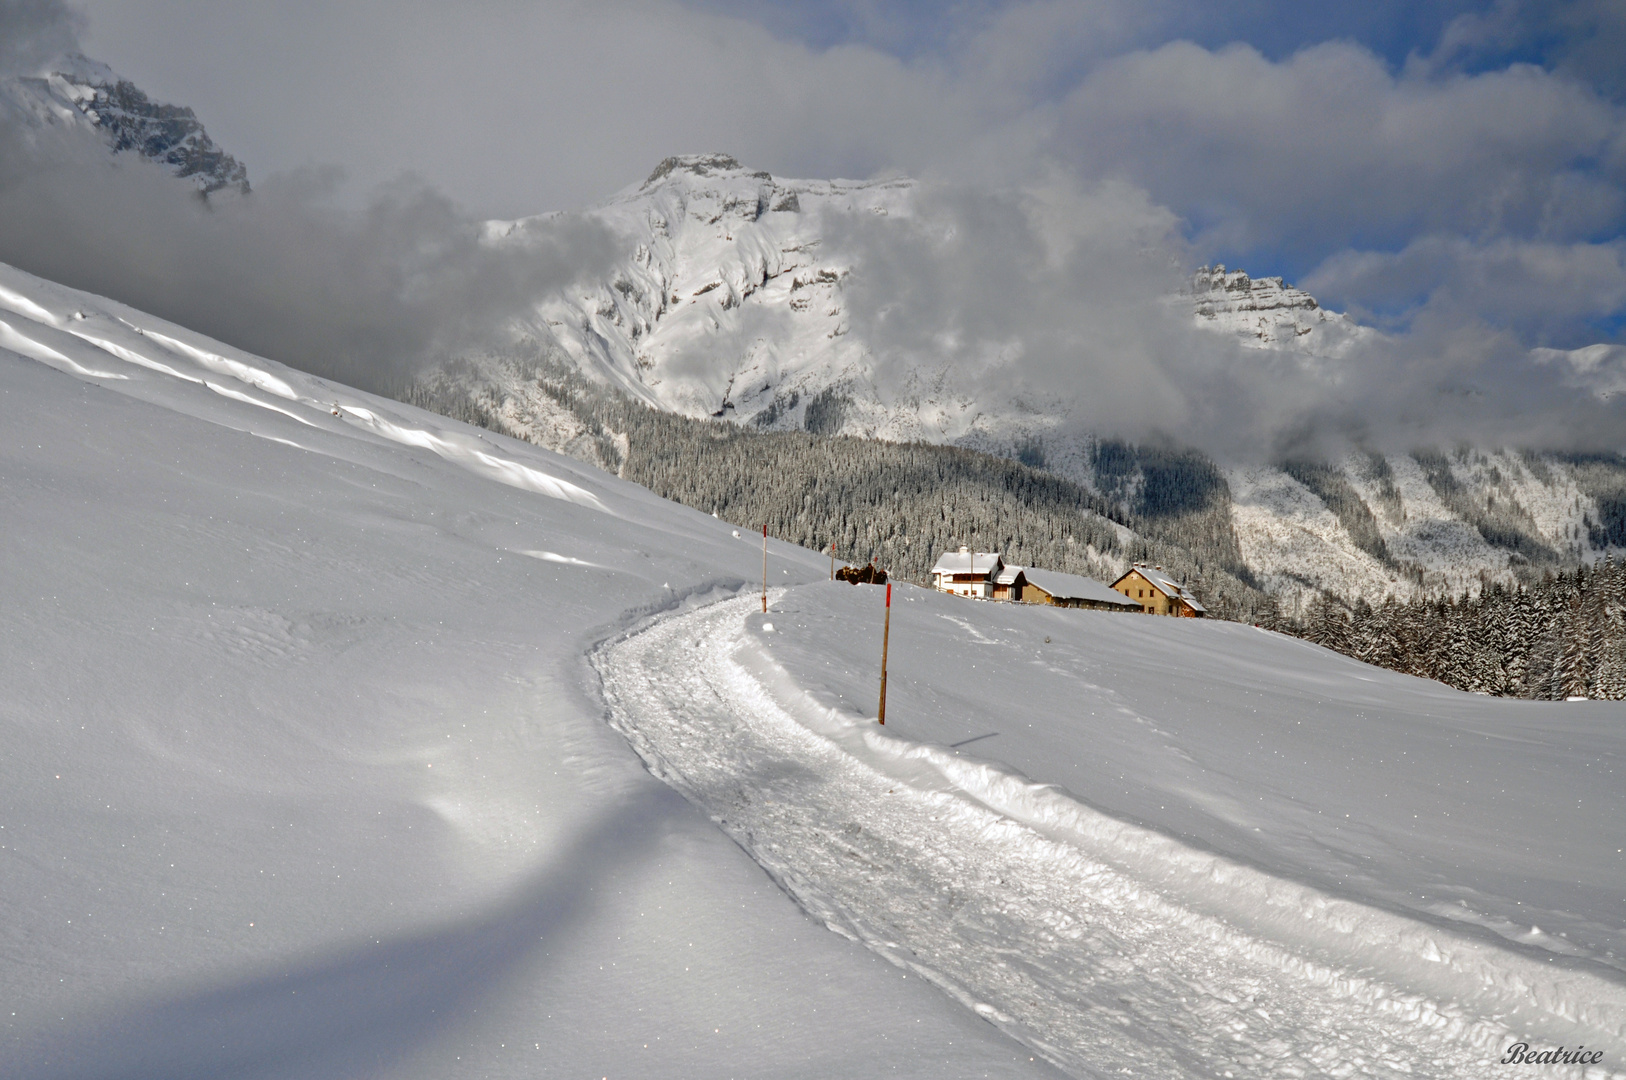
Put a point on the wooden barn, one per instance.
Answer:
(1056, 589)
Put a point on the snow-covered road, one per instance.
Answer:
(1051, 924)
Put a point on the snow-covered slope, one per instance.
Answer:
(1428, 517)
(307, 775)
(1160, 847)
(74, 93)
(304, 772)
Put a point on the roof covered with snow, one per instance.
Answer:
(1160, 579)
(1075, 587)
(966, 561)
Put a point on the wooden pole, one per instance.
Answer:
(765, 569)
(886, 636)
(832, 560)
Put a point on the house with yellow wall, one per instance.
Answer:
(1158, 593)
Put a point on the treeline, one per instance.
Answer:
(897, 504)
(900, 505)
(1562, 636)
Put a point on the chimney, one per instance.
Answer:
(964, 550)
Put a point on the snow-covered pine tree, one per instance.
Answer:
(1570, 673)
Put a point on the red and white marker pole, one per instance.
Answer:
(886, 635)
(765, 569)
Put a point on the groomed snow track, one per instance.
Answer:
(1109, 949)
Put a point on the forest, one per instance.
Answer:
(897, 506)
(902, 504)
(1560, 637)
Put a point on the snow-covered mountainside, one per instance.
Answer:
(307, 774)
(73, 92)
(732, 302)
(1428, 524)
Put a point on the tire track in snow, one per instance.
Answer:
(1097, 970)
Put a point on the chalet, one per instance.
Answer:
(968, 573)
(1056, 589)
(1157, 593)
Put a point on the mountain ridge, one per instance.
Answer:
(733, 305)
(76, 93)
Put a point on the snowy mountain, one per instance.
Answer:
(342, 739)
(733, 302)
(730, 300)
(76, 93)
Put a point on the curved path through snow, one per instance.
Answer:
(1094, 966)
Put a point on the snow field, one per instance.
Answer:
(1104, 945)
(305, 775)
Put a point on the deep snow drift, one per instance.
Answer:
(304, 772)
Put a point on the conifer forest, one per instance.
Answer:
(898, 505)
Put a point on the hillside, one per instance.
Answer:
(308, 774)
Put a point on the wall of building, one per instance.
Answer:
(1144, 593)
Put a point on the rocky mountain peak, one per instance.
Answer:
(1233, 290)
(1267, 312)
(700, 165)
(74, 90)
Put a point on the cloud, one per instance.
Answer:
(1552, 293)
(369, 296)
(1077, 164)
(1328, 148)
(1066, 294)
(1598, 369)
(34, 31)
(1581, 39)
(1050, 290)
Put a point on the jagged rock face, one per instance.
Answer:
(1267, 313)
(76, 92)
(729, 302)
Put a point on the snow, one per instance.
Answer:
(1162, 845)
(305, 774)
(966, 561)
(1267, 313)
